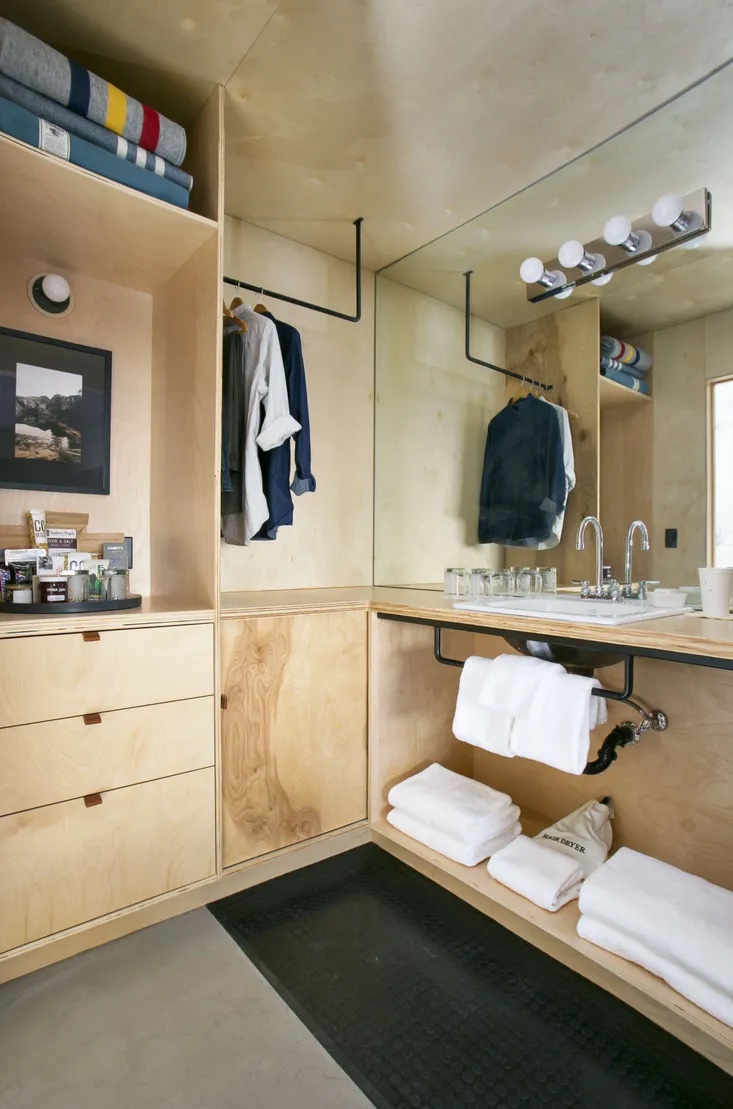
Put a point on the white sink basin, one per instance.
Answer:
(571, 609)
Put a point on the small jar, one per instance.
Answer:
(20, 593)
(22, 572)
(116, 585)
(53, 591)
(79, 586)
(457, 582)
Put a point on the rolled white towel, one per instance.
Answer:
(452, 848)
(467, 810)
(675, 916)
(474, 723)
(539, 873)
(698, 990)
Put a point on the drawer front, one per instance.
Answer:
(69, 863)
(52, 676)
(41, 764)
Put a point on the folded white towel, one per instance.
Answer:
(452, 848)
(675, 916)
(579, 843)
(701, 992)
(557, 729)
(512, 681)
(473, 723)
(461, 807)
(539, 873)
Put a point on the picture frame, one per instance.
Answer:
(55, 414)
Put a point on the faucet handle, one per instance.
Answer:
(643, 588)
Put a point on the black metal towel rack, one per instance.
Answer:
(490, 365)
(306, 303)
(620, 736)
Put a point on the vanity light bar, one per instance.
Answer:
(625, 244)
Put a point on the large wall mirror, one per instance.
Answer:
(665, 458)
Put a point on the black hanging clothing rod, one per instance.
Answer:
(490, 365)
(306, 303)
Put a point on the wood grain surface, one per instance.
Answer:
(294, 730)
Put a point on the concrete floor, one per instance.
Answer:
(172, 1017)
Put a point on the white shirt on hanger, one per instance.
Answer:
(268, 422)
(569, 461)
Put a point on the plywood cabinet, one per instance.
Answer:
(65, 864)
(294, 729)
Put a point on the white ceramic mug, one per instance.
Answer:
(716, 584)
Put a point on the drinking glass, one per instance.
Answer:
(528, 583)
(476, 583)
(457, 582)
(549, 578)
(501, 583)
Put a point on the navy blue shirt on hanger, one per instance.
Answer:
(275, 463)
(523, 487)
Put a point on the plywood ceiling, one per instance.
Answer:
(416, 115)
(677, 149)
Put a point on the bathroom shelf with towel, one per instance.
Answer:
(556, 933)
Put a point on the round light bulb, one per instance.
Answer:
(531, 270)
(571, 253)
(647, 261)
(602, 280)
(666, 210)
(617, 230)
(693, 244)
(565, 293)
(56, 288)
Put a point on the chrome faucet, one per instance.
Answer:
(645, 546)
(580, 546)
(628, 587)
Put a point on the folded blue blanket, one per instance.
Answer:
(23, 125)
(91, 131)
(629, 380)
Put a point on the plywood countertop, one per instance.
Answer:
(691, 634)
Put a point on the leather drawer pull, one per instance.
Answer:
(92, 718)
(93, 799)
(91, 637)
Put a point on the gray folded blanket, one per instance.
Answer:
(30, 62)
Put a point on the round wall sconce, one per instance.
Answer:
(51, 294)
(618, 232)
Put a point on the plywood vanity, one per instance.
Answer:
(250, 718)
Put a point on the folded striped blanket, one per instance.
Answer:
(86, 129)
(32, 63)
(23, 125)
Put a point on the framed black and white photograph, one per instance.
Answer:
(55, 406)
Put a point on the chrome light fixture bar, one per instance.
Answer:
(689, 219)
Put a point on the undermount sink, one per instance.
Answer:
(570, 609)
(586, 659)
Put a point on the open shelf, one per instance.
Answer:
(555, 933)
(614, 395)
(65, 216)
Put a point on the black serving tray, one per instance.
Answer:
(71, 608)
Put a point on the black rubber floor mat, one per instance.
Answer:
(428, 1004)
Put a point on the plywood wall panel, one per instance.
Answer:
(116, 319)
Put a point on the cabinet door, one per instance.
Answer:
(294, 730)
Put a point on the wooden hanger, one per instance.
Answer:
(519, 394)
(236, 303)
(229, 315)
